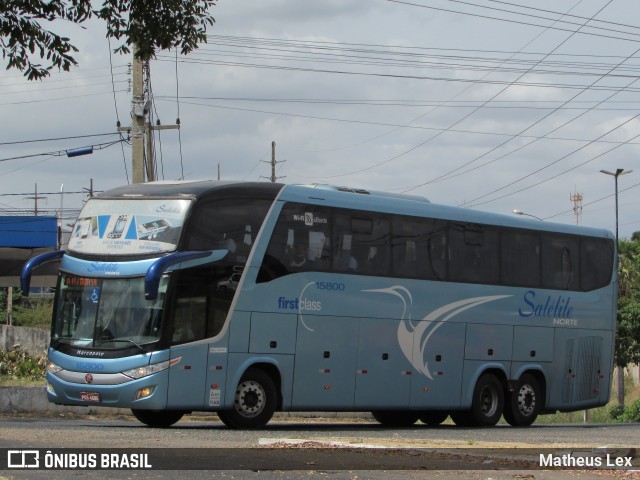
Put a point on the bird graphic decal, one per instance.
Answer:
(414, 336)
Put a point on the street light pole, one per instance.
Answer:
(615, 175)
(520, 212)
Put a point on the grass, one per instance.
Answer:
(6, 381)
(596, 415)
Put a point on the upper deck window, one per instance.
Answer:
(129, 226)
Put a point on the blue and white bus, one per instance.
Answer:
(249, 298)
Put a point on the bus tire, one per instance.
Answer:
(487, 404)
(523, 405)
(255, 401)
(433, 418)
(158, 418)
(395, 418)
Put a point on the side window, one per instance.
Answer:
(560, 265)
(230, 224)
(473, 253)
(300, 242)
(520, 258)
(596, 263)
(189, 319)
(361, 243)
(202, 301)
(414, 242)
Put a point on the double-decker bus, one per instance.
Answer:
(249, 298)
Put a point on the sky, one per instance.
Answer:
(483, 104)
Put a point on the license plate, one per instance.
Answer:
(90, 397)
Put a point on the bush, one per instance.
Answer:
(632, 413)
(19, 364)
(616, 412)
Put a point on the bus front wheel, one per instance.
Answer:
(254, 403)
(524, 403)
(158, 418)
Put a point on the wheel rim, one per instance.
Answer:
(250, 399)
(526, 400)
(488, 401)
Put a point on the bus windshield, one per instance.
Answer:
(129, 226)
(106, 313)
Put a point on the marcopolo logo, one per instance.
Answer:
(300, 305)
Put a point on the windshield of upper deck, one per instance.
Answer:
(129, 226)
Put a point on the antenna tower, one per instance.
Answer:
(576, 198)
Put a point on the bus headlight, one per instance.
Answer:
(53, 368)
(147, 370)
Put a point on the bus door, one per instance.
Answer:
(187, 377)
(325, 365)
(198, 312)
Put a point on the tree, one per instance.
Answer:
(628, 333)
(627, 349)
(149, 24)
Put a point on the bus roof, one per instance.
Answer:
(344, 197)
(198, 189)
(420, 207)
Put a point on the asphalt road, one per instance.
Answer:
(331, 448)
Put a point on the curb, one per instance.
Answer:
(34, 400)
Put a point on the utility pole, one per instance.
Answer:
(90, 191)
(138, 115)
(141, 128)
(36, 197)
(273, 162)
(9, 305)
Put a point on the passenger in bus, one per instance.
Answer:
(344, 261)
(300, 255)
(183, 334)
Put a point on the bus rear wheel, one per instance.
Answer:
(395, 418)
(487, 404)
(158, 418)
(524, 403)
(254, 403)
(488, 401)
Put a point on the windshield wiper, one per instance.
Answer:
(114, 340)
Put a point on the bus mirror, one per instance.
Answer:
(25, 275)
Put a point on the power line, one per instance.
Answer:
(368, 122)
(519, 22)
(469, 204)
(537, 122)
(593, 202)
(60, 153)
